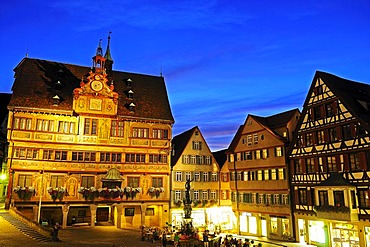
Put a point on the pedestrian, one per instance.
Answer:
(176, 240)
(205, 238)
(54, 234)
(164, 239)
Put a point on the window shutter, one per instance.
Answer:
(257, 198)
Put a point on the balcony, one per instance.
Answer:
(341, 213)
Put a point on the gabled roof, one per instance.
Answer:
(220, 157)
(335, 179)
(34, 87)
(179, 143)
(235, 140)
(277, 120)
(350, 93)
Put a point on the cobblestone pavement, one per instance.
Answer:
(75, 236)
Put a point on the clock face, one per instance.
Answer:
(96, 85)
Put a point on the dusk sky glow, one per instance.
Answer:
(221, 60)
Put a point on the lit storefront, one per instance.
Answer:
(345, 235)
(214, 218)
(318, 232)
(248, 223)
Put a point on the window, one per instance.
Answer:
(278, 152)
(205, 195)
(196, 195)
(140, 132)
(285, 199)
(26, 153)
(208, 160)
(265, 153)
(160, 134)
(323, 198)
(309, 139)
(197, 176)
(214, 177)
(187, 175)
(25, 180)
(364, 198)
(61, 155)
(135, 158)
(87, 181)
(193, 159)
(330, 109)
(332, 164)
(281, 172)
(333, 134)
(249, 140)
(298, 167)
(302, 196)
(258, 154)
(224, 177)
(320, 136)
(91, 126)
(199, 159)
(255, 138)
(178, 176)
(259, 175)
(157, 182)
(339, 198)
(205, 176)
(22, 123)
(56, 181)
(354, 161)
(185, 159)
(83, 156)
(273, 174)
(346, 130)
(117, 128)
(45, 125)
(317, 112)
(266, 174)
(111, 157)
(66, 127)
(158, 158)
(277, 199)
(177, 195)
(248, 155)
(213, 195)
(318, 90)
(133, 182)
(310, 166)
(197, 145)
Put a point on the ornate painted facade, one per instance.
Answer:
(88, 145)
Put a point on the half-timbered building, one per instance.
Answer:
(89, 145)
(258, 175)
(330, 164)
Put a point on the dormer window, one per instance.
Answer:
(56, 100)
(130, 94)
(132, 107)
(58, 85)
(129, 83)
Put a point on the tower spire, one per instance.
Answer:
(108, 57)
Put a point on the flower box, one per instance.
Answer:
(155, 191)
(57, 193)
(24, 193)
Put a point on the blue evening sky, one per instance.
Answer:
(221, 60)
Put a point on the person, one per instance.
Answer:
(205, 238)
(73, 220)
(176, 240)
(164, 239)
(54, 234)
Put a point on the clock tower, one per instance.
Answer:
(95, 96)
